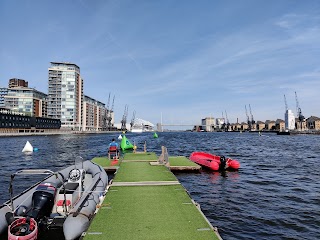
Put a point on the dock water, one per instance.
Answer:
(146, 201)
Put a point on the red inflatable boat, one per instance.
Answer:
(213, 161)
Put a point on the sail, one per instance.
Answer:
(28, 147)
(120, 137)
(125, 143)
(155, 135)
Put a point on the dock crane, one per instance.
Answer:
(132, 119)
(124, 118)
(252, 120)
(224, 123)
(106, 114)
(109, 117)
(248, 119)
(299, 112)
(285, 102)
(228, 123)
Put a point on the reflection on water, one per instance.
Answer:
(274, 195)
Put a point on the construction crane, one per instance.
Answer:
(285, 102)
(299, 112)
(133, 118)
(124, 118)
(248, 119)
(109, 117)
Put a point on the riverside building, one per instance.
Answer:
(16, 82)
(208, 124)
(24, 110)
(289, 119)
(26, 100)
(3, 92)
(65, 94)
(95, 115)
(67, 102)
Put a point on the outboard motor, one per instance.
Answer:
(223, 163)
(42, 201)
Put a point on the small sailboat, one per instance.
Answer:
(155, 135)
(27, 148)
(120, 137)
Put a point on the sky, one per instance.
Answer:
(179, 61)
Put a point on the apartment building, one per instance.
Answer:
(300, 125)
(3, 92)
(270, 125)
(280, 125)
(313, 123)
(260, 125)
(94, 115)
(65, 94)
(28, 101)
(235, 126)
(208, 124)
(289, 120)
(16, 82)
(244, 126)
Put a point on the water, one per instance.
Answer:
(275, 194)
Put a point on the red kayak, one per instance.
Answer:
(213, 161)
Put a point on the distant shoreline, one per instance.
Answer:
(19, 134)
(63, 132)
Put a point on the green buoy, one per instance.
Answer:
(125, 143)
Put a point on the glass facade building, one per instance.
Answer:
(26, 100)
(3, 92)
(65, 94)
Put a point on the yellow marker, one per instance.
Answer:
(134, 148)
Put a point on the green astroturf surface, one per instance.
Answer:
(149, 212)
(105, 162)
(142, 171)
(181, 161)
(140, 156)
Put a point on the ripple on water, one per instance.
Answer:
(274, 195)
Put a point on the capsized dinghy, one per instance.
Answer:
(214, 162)
(66, 199)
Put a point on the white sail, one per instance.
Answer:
(28, 147)
(120, 137)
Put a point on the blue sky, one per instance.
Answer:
(185, 59)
